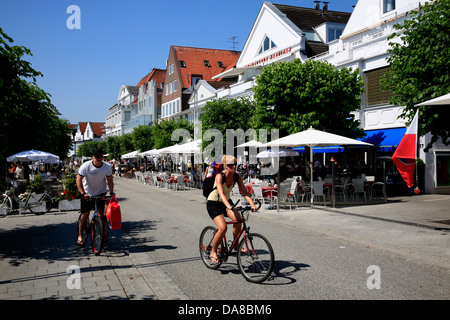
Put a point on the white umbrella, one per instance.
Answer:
(445, 99)
(277, 152)
(131, 155)
(314, 138)
(34, 155)
(251, 143)
(149, 152)
(190, 147)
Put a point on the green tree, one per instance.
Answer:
(113, 147)
(292, 96)
(142, 138)
(226, 114)
(29, 119)
(87, 148)
(420, 67)
(162, 132)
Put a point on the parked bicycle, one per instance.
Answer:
(255, 256)
(95, 227)
(37, 204)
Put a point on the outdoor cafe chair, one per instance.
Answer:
(317, 190)
(358, 188)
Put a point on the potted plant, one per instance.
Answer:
(69, 199)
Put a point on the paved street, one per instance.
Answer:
(154, 256)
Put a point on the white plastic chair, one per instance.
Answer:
(317, 187)
(358, 186)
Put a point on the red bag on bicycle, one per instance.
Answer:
(113, 214)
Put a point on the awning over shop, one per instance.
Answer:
(386, 139)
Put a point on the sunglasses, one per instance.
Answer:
(232, 165)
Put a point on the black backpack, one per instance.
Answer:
(208, 184)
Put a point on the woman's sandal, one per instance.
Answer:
(216, 259)
(80, 243)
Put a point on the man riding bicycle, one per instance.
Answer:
(91, 182)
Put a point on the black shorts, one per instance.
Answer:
(216, 208)
(88, 205)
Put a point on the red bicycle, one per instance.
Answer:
(255, 256)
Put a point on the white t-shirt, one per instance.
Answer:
(94, 178)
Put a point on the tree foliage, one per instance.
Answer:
(420, 67)
(292, 96)
(28, 118)
(142, 138)
(226, 114)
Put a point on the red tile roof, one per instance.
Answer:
(97, 127)
(194, 60)
(156, 74)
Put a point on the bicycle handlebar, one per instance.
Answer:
(247, 208)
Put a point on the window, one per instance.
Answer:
(220, 64)
(206, 63)
(182, 64)
(266, 45)
(388, 5)
(167, 89)
(178, 105)
(334, 34)
(443, 169)
(175, 85)
(375, 95)
(170, 85)
(196, 79)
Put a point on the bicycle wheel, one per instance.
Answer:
(6, 207)
(97, 235)
(42, 206)
(205, 246)
(255, 258)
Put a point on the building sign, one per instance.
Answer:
(270, 57)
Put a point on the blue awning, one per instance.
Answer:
(385, 139)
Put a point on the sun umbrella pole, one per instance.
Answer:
(311, 171)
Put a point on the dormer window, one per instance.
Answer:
(388, 5)
(182, 64)
(266, 45)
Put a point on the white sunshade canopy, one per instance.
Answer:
(34, 155)
(251, 143)
(190, 147)
(131, 155)
(149, 152)
(314, 138)
(445, 99)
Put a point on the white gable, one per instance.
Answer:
(272, 24)
(369, 14)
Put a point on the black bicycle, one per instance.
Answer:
(255, 256)
(96, 227)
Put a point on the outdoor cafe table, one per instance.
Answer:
(266, 191)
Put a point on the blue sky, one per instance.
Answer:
(121, 41)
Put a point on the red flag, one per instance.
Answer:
(405, 155)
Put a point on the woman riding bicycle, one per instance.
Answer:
(219, 203)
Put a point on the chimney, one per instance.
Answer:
(317, 5)
(325, 5)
